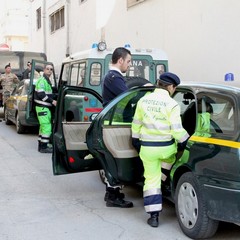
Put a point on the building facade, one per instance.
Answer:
(14, 24)
(200, 37)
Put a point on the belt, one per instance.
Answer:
(157, 144)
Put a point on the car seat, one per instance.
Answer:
(189, 118)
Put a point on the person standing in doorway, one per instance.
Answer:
(113, 84)
(27, 72)
(44, 100)
(8, 81)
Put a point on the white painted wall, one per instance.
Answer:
(200, 37)
(14, 24)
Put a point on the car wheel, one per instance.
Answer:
(7, 121)
(136, 82)
(191, 209)
(20, 128)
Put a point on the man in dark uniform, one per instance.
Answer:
(8, 81)
(113, 85)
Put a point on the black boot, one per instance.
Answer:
(115, 199)
(153, 220)
(45, 149)
(122, 195)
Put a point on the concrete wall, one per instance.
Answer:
(200, 37)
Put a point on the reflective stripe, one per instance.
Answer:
(136, 121)
(45, 136)
(157, 126)
(153, 144)
(164, 177)
(153, 200)
(153, 208)
(45, 98)
(150, 192)
(42, 90)
(43, 103)
(184, 138)
(135, 135)
(166, 137)
(177, 126)
(166, 165)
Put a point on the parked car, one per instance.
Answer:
(19, 108)
(204, 182)
(16, 106)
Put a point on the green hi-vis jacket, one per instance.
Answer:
(43, 96)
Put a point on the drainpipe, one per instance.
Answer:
(67, 28)
(44, 28)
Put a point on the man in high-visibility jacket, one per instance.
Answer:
(205, 110)
(157, 130)
(44, 100)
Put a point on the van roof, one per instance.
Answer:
(94, 53)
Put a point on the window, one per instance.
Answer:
(57, 20)
(74, 74)
(65, 72)
(131, 3)
(95, 77)
(139, 68)
(160, 70)
(78, 74)
(39, 18)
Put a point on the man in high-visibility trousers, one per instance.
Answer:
(44, 101)
(157, 130)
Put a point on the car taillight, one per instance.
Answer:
(71, 160)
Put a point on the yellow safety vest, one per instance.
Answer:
(157, 120)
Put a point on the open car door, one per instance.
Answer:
(76, 108)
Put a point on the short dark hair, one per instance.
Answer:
(118, 53)
(8, 65)
(162, 85)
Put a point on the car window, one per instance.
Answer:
(184, 99)
(122, 113)
(221, 110)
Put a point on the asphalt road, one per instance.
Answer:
(35, 205)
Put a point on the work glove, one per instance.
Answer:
(136, 144)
